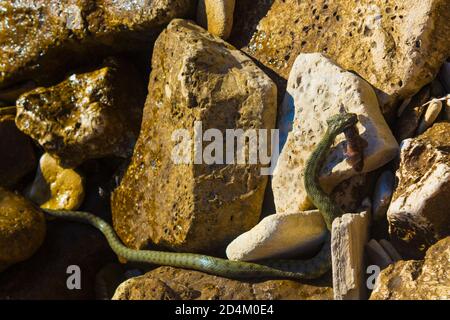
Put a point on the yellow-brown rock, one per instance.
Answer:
(397, 46)
(89, 115)
(216, 16)
(40, 39)
(55, 187)
(427, 279)
(166, 283)
(22, 228)
(187, 206)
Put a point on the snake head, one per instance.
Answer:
(342, 121)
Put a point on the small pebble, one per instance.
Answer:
(384, 189)
(55, 187)
(433, 110)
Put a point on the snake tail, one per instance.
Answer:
(294, 269)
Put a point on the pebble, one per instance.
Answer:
(55, 187)
(280, 235)
(433, 110)
(384, 188)
(216, 16)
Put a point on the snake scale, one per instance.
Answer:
(294, 269)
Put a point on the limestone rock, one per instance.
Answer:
(397, 46)
(348, 239)
(166, 283)
(42, 38)
(281, 235)
(216, 16)
(22, 229)
(427, 279)
(384, 188)
(14, 145)
(89, 115)
(318, 89)
(55, 187)
(433, 110)
(418, 214)
(165, 198)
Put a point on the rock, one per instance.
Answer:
(418, 213)
(89, 115)
(281, 235)
(216, 16)
(433, 110)
(166, 283)
(409, 119)
(166, 199)
(318, 89)
(377, 255)
(397, 46)
(14, 145)
(22, 229)
(44, 38)
(55, 187)
(384, 188)
(427, 279)
(348, 237)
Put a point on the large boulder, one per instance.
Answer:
(318, 89)
(14, 145)
(419, 211)
(166, 196)
(39, 39)
(22, 229)
(166, 283)
(427, 279)
(88, 115)
(397, 46)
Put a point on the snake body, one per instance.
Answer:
(295, 269)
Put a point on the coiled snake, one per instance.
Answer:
(296, 269)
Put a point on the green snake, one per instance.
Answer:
(295, 269)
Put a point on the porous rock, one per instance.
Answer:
(397, 46)
(318, 89)
(426, 279)
(164, 197)
(418, 213)
(39, 39)
(167, 283)
(88, 115)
